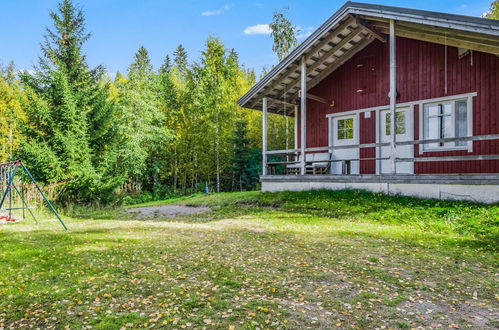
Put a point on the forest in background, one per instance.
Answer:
(152, 132)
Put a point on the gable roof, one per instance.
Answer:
(351, 29)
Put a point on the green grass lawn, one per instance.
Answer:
(258, 260)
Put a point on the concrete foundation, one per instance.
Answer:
(475, 188)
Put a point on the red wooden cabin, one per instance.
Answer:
(435, 73)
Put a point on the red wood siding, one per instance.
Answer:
(363, 82)
(367, 135)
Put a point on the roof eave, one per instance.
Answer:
(458, 22)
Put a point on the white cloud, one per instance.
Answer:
(258, 29)
(303, 35)
(304, 32)
(216, 11)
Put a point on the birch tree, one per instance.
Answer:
(11, 113)
(284, 41)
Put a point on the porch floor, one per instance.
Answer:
(482, 188)
(471, 179)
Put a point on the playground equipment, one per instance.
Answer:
(8, 172)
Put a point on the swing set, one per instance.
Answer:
(8, 172)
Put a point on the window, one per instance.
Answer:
(345, 129)
(400, 123)
(446, 119)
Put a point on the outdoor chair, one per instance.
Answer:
(321, 167)
(295, 169)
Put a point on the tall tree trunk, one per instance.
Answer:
(175, 169)
(196, 170)
(11, 138)
(217, 150)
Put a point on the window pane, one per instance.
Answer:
(447, 108)
(401, 122)
(341, 124)
(461, 121)
(432, 110)
(341, 134)
(349, 133)
(439, 123)
(345, 129)
(431, 125)
(349, 123)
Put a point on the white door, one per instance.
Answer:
(345, 131)
(405, 132)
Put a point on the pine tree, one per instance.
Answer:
(180, 57)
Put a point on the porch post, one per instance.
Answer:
(393, 97)
(303, 112)
(296, 127)
(264, 136)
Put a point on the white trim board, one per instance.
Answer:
(405, 104)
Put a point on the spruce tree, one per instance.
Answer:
(246, 160)
(180, 57)
(69, 129)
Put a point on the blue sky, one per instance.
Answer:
(120, 27)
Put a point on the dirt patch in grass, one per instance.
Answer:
(431, 313)
(167, 211)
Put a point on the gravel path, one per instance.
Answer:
(167, 211)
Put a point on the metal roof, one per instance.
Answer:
(352, 28)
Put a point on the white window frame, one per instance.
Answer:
(333, 129)
(398, 110)
(469, 119)
(345, 129)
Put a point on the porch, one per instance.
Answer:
(296, 173)
(479, 188)
(320, 160)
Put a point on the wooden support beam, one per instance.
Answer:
(449, 41)
(393, 97)
(274, 100)
(294, 67)
(328, 39)
(303, 111)
(279, 80)
(264, 137)
(296, 126)
(318, 99)
(326, 56)
(369, 28)
(439, 36)
(339, 61)
(451, 33)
